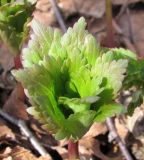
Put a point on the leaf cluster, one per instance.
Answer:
(134, 82)
(71, 82)
(14, 17)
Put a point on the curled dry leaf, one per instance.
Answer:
(20, 153)
(135, 122)
(136, 26)
(6, 131)
(6, 59)
(15, 105)
(91, 146)
(5, 153)
(62, 151)
(94, 8)
(96, 129)
(44, 12)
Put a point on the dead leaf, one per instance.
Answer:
(62, 151)
(94, 8)
(91, 146)
(45, 137)
(6, 131)
(15, 105)
(20, 153)
(44, 12)
(137, 26)
(68, 7)
(135, 122)
(96, 129)
(5, 153)
(6, 59)
(121, 128)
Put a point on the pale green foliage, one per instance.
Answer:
(70, 83)
(13, 24)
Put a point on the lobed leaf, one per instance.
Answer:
(13, 24)
(69, 82)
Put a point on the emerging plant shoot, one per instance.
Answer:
(71, 82)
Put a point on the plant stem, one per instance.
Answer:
(17, 62)
(73, 150)
(110, 35)
(18, 65)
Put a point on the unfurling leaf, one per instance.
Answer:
(69, 82)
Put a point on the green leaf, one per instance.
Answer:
(3, 2)
(76, 125)
(43, 41)
(112, 70)
(135, 74)
(13, 24)
(69, 82)
(121, 53)
(108, 110)
(137, 100)
(78, 104)
(78, 37)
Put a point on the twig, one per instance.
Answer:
(109, 25)
(23, 127)
(115, 135)
(125, 39)
(131, 36)
(122, 10)
(58, 15)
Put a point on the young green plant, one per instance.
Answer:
(14, 17)
(71, 82)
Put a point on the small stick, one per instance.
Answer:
(131, 36)
(23, 127)
(115, 135)
(122, 10)
(125, 39)
(109, 25)
(58, 15)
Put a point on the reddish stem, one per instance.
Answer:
(18, 65)
(73, 150)
(17, 62)
(110, 34)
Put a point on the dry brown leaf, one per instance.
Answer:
(20, 153)
(5, 153)
(62, 151)
(44, 158)
(15, 106)
(135, 122)
(94, 8)
(6, 131)
(121, 128)
(137, 25)
(91, 146)
(6, 59)
(96, 129)
(44, 12)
